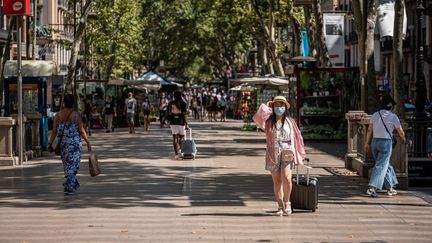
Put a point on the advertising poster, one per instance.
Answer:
(385, 18)
(334, 32)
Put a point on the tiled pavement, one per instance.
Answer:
(224, 195)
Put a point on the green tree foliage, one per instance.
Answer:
(114, 37)
(196, 39)
(189, 33)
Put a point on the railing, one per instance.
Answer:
(63, 4)
(63, 31)
(419, 135)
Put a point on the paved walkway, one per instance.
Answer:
(225, 195)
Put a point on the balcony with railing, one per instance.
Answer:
(63, 32)
(63, 4)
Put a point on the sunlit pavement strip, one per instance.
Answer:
(224, 195)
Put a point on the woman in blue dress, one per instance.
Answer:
(68, 124)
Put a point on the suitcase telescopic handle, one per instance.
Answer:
(190, 133)
(307, 172)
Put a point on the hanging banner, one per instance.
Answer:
(334, 32)
(385, 18)
(305, 43)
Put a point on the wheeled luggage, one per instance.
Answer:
(304, 193)
(188, 147)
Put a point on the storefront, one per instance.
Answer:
(37, 95)
(255, 91)
(324, 95)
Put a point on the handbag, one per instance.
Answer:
(57, 148)
(287, 155)
(394, 140)
(94, 165)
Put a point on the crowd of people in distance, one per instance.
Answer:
(203, 104)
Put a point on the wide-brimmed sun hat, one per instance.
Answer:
(279, 99)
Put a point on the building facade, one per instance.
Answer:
(383, 48)
(53, 33)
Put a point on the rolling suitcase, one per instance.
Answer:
(188, 147)
(304, 193)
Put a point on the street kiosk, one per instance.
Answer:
(37, 83)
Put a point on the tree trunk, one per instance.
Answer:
(371, 90)
(398, 82)
(323, 58)
(262, 55)
(270, 42)
(364, 21)
(295, 29)
(75, 48)
(113, 47)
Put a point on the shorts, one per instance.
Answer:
(178, 129)
(273, 167)
(130, 117)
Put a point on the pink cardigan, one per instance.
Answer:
(261, 118)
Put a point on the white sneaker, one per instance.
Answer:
(371, 192)
(280, 212)
(391, 192)
(287, 211)
(177, 157)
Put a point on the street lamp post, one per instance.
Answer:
(420, 115)
(20, 94)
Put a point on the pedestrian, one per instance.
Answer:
(194, 108)
(380, 133)
(146, 108)
(131, 106)
(68, 124)
(110, 113)
(87, 115)
(284, 148)
(177, 113)
(222, 105)
(163, 109)
(214, 109)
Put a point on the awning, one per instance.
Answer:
(120, 82)
(302, 59)
(260, 81)
(243, 87)
(30, 68)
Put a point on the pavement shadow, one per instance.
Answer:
(334, 148)
(123, 184)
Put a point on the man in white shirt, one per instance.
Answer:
(131, 105)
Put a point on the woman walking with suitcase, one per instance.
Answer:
(285, 148)
(177, 114)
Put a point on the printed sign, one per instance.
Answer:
(334, 32)
(385, 18)
(16, 7)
